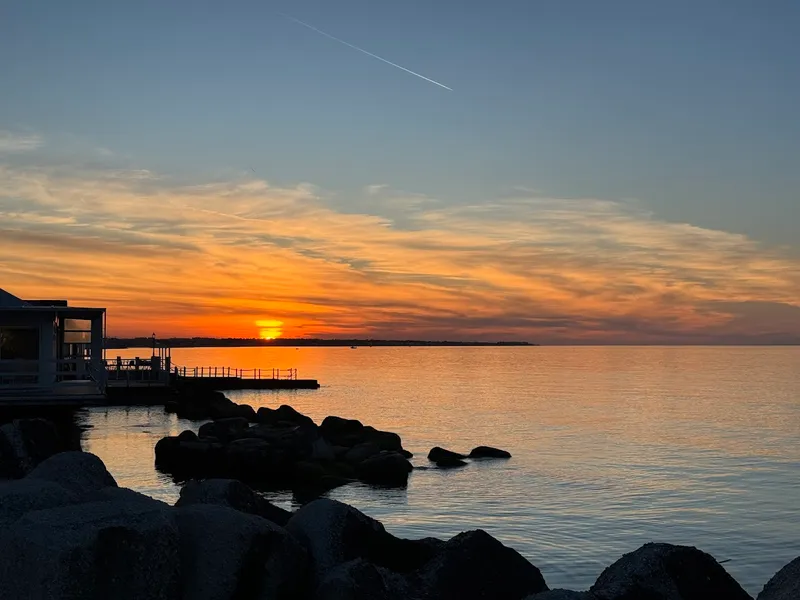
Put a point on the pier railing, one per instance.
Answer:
(233, 373)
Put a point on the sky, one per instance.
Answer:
(597, 172)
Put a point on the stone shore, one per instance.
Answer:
(67, 531)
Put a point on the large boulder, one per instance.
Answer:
(438, 454)
(80, 472)
(93, 550)
(225, 429)
(228, 554)
(186, 458)
(473, 564)
(24, 495)
(386, 468)
(784, 585)
(488, 452)
(342, 432)
(362, 580)
(283, 414)
(335, 533)
(667, 572)
(233, 494)
(24, 443)
(361, 452)
(386, 440)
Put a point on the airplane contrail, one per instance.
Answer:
(388, 62)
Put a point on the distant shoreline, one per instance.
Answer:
(122, 343)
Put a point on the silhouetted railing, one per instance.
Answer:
(230, 372)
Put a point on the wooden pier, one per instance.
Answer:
(141, 375)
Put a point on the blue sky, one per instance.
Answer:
(687, 108)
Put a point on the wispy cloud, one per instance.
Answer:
(217, 256)
(12, 142)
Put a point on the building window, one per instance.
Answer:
(77, 331)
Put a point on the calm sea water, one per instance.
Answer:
(613, 447)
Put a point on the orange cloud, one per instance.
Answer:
(217, 258)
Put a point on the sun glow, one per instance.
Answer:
(269, 329)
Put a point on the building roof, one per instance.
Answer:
(10, 301)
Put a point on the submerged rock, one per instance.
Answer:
(488, 452)
(784, 585)
(667, 572)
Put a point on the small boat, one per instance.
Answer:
(353, 347)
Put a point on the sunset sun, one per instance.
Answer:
(269, 329)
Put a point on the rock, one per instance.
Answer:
(342, 432)
(562, 595)
(245, 411)
(360, 580)
(473, 564)
(386, 440)
(79, 472)
(335, 533)
(225, 430)
(233, 494)
(488, 452)
(321, 450)
(188, 436)
(94, 550)
(406, 453)
(185, 459)
(24, 495)
(171, 407)
(122, 495)
(438, 454)
(283, 414)
(24, 443)
(387, 468)
(361, 452)
(666, 572)
(229, 554)
(784, 585)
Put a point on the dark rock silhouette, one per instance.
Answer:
(79, 472)
(334, 533)
(233, 494)
(488, 452)
(67, 531)
(285, 449)
(438, 454)
(784, 585)
(667, 572)
(475, 565)
(99, 550)
(225, 553)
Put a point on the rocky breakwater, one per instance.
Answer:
(284, 449)
(67, 531)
